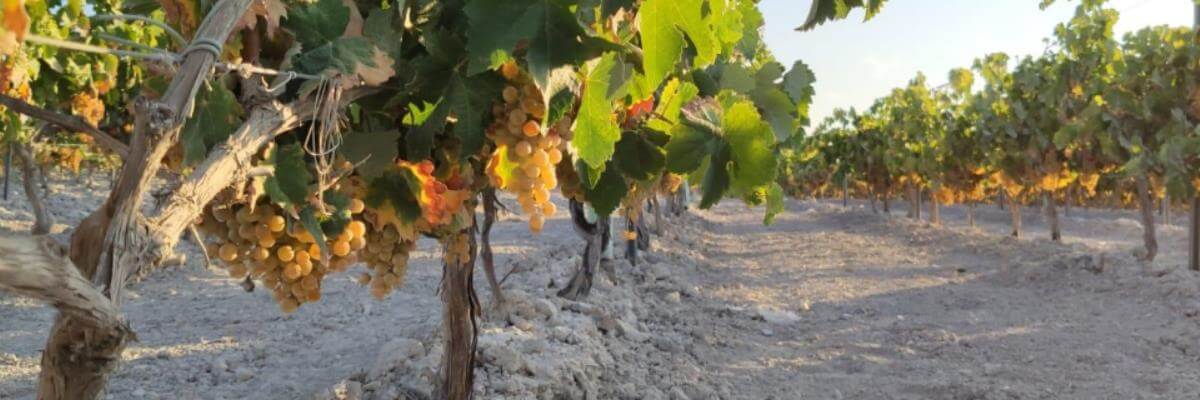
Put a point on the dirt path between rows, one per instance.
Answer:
(827, 303)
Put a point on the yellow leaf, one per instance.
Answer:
(181, 13)
(15, 26)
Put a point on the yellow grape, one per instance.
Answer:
(357, 228)
(541, 158)
(285, 253)
(523, 149)
(262, 231)
(357, 206)
(302, 257)
(554, 155)
(244, 216)
(532, 170)
(510, 71)
(260, 253)
(548, 209)
(358, 243)
(510, 94)
(305, 268)
(314, 251)
(340, 248)
(237, 271)
(530, 128)
(291, 271)
(364, 279)
(288, 306)
(228, 252)
(536, 221)
(276, 223)
(268, 241)
(541, 195)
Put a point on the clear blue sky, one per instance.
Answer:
(856, 62)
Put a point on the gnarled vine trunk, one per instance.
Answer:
(935, 212)
(914, 202)
(1052, 216)
(42, 220)
(1146, 204)
(1014, 211)
(595, 236)
(971, 213)
(485, 244)
(460, 307)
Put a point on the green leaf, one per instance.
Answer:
(774, 203)
(289, 185)
(419, 140)
(554, 36)
(559, 105)
(736, 78)
(308, 218)
(688, 148)
(470, 100)
(395, 187)
(606, 196)
(596, 130)
(381, 28)
(663, 24)
(218, 114)
(716, 179)
(637, 158)
(376, 151)
(752, 22)
(674, 95)
(317, 23)
(777, 108)
(339, 204)
(752, 146)
(798, 83)
(343, 55)
(705, 83)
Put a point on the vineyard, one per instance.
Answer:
(289, 199)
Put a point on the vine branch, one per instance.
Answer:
(68, 122)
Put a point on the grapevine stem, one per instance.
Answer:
(70, 45)
(130, 43)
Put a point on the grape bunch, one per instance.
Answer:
(518, 132)
(386, 256)
(258, 242)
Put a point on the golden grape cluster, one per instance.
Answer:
(517, 132)
(258, 242)
(386, 256)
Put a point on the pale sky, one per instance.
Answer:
(857, 62)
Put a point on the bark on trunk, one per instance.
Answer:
(1194, 236)
(1147, 208)
(1052, 217)
(460, 307)
(595, 235)
(871, 196)
(971, 214)
(887, 203)
(78, 358)
(42, 218)
(658, 215)
(1000, 200)
(1070, 196)
(1014, 210)
(631, 241)
(485, 245)
(935, 212)
(913, 207)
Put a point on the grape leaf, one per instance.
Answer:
(716, 178)
(674, 95)
(736, 78)
(752, 146)
(777, 108)
(13, 27)
(798, 83)
(373, 152)
(596, 130)
(393, 188)
(550, 28)
(774, 203)
(289, 185)
(218, 114)
(470, 100)
(637, 158)
(688, 148)
(605, 196)
(662, 24)
(319, 23)
(752, 21)
(418, 141)
(339, 204)
(308, 218)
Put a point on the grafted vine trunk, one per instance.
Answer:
(632, 237)
(971, 213)
(935, 212)
(887, 203)
(658, 215)
(1000, 200)
(1014, 211)
(595, 236)
(485, 244)
(42, 220)
(914, 206)
(460, 307)
(1146, 204)
(1052, 216)
(1067, 200)
(871, 196)
(113, 242)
